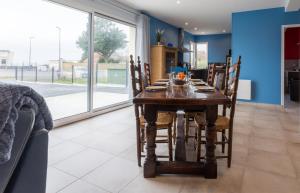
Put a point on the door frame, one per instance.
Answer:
(283, 28)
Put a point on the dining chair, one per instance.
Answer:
(223, 122)
(148, 83)
(190, 116)
(164, 119)
(211, 74)
(147, 72)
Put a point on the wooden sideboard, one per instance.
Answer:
(162, 58)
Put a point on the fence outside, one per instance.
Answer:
(116, 74)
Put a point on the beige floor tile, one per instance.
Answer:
(240, 139)
(114, 145)
(292, 137)
(239, 154)
(114, 175)
(294, 149)
(57, 180)
(289, 124)
(62, 151)
(231, 180)
(271, 162)
(269, 133)
(269, 145)
(130, 154)
(296, 163)
(199, 185)
(54, 140)
(265, 156)
(160, 184)
(72, 130)
(264, 124)
(243, 128)
(269, 117)
(263, 182)
(83, 162)
(92, 138)
(82, 187)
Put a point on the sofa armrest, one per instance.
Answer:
(31, 172)
(23, 129)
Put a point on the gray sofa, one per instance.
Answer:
(26, 171)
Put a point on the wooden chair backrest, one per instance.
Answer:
(147, 74)
(137, 83)
(232, 87)
(211, 74)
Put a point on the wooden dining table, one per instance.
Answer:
(185, 99)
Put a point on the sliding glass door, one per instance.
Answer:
(40, 41)
(113, 43)
(77, 61)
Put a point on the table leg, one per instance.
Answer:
(210, 167)
(180, 153)
(150, 161)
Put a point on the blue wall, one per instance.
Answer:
(170, 35)
(218, 46)
(256, 36)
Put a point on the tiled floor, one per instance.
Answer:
(99, 155)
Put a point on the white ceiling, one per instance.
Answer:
(292, 5)
(208, 16)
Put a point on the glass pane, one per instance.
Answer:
(39, 48)
(113, 43)
(202, 56)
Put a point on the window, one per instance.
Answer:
(192, 54)
(52, 54)
(202, 55)
(3, 61)
(46, 51)
(113, 43)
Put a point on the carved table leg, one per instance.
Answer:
(180, 153)
(150, 161)
(210, 167)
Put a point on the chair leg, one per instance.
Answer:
(199, 142)
(229, 148)
(142, 136)
(223, 141)
(174, 128)
(138, 145)
(170, 143)
(187, 127)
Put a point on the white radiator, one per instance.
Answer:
(244, 90)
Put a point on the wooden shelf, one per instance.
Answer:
(162, 58)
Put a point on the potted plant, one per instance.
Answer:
(159, 36)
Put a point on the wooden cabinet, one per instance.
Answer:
(162, 59)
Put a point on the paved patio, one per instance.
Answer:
(66, 100)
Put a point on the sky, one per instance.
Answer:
(22, 19)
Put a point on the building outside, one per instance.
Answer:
(6, 58)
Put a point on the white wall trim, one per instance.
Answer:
(109, 8)
(283, 28)
(262, 105)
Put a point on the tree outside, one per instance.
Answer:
(107, 39)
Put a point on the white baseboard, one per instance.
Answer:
(264, 105)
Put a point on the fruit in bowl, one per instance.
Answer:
(180, 79)
(180, 76)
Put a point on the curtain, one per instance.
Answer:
(143, 39)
